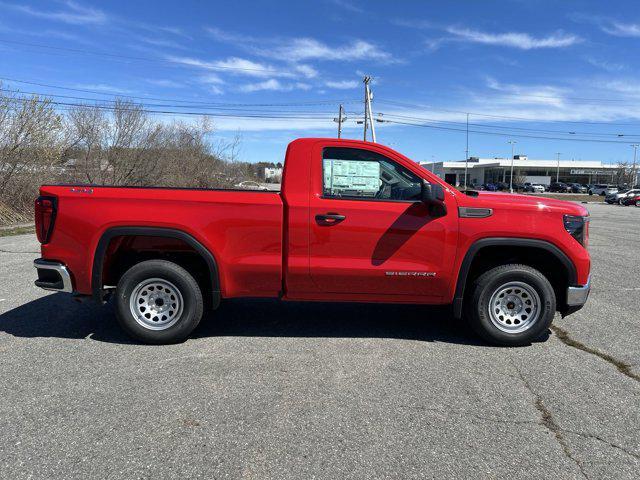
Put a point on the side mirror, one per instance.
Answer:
(432, 196)
(432, 193)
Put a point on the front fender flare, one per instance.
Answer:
(505, 241)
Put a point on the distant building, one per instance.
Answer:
(492, 170)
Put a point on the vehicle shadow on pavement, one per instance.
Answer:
(273, 318)
(58, 315)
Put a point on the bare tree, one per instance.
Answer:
(108, 144)
(30, 144)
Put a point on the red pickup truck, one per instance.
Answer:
(354, 221)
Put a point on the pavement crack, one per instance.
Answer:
(11, 251)
(547, 421)
(622, 367)
(605, 441)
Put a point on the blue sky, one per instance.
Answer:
(522, 69)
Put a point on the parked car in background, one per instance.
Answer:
(559, 187)
(631, 200)
(620, 195)
(577, 188)
(489, 187)
(502, 186)
(534, 187)
(602, 189)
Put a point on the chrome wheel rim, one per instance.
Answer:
(156, 304)
(514, 307)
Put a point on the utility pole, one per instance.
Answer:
(341, 118)
(466, 155)
(368, 115)
(513, 143)
(558, 169)
(634, 176)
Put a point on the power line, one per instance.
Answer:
(194, 102)
(144, 59)
(507, 117)
(424, 125)
(111, 103)
(493, 125)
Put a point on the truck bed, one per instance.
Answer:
(241, 228)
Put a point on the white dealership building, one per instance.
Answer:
(492, 170)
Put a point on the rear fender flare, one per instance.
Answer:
(111, 233)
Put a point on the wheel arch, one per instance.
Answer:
(133, 231)
(476, 248)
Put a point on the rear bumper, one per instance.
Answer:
(53, 276)
(577, 296)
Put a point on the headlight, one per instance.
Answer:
(578, 228)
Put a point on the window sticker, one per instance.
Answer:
(351, 178)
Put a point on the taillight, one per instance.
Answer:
(578, 228)
(45, 213)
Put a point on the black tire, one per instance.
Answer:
(173, 276)
(489, 283)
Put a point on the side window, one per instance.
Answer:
(356, 173)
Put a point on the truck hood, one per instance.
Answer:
(516, 201)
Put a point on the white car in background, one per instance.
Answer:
(617, 197)
(602, 189)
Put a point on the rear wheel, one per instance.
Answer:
(511, 305)
(158, 302)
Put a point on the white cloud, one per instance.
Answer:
(624, 87)
(211, 79)
(160, 82)
(303, 48)
(74, 13)
(273, 85)
(349, 6)
(342, 84)
(162, 42)
(622, 29)
(299, 49)
(527, 94)
(230, 37)
(243, 66)
(306, 70)
(523, 41)
(102, 87)
(606, 65)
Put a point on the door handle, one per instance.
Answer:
(328, 219)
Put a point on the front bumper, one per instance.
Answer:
(53, 276)
(577, 296)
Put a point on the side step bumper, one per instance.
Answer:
(53, 276)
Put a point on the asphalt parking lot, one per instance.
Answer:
(277, 390)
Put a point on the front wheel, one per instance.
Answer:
(511, 305)
(637, 203)
(158, 302)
